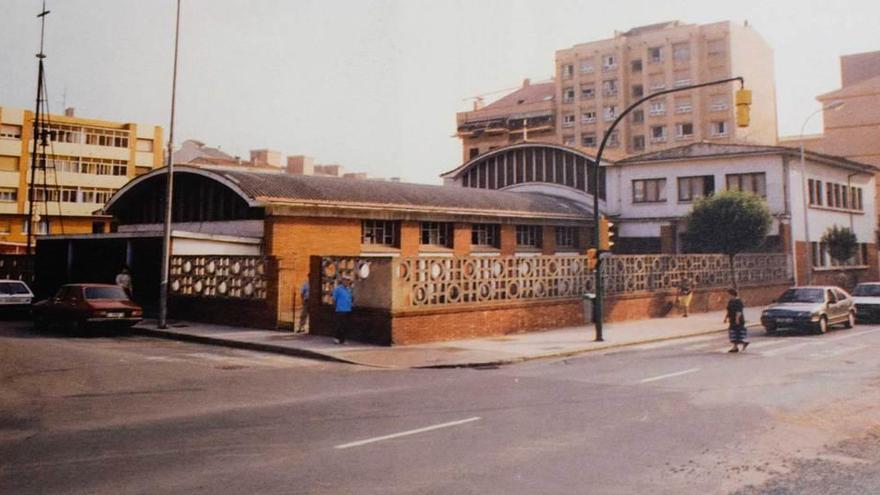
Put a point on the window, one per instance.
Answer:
(42, 227)
(588, 117)
(811, 188)
(657, 84)
(567, 71)
(858, 195)
(8, 194)
(715, 48)
(568, 140)
(486, 235)
(638, 116)
(658, 133)
(817, 254)
(586, 66)
(588, 91)
(613, 141)
(638, 143)
(681, 78)
(566, 237)
(683, 104)
(684, 130)
(69, 195)
(691, 188)
(528, 236)
(145, 145)
(649, 190)
(609, 87)
(609, 62)
(638, 91)
(719, 103)
(636, 65)
(105, 137)
(10, 131)
(658, 107)
(473, 153)
(755, 183)
(719, 128)
(609, 112)
(567, 95)
(655, 55)
(380, 232)
(436, 234)
(830, 190)
(681, 52)
(844, 203)
(836, 195)
(589, 140)
(568, 120)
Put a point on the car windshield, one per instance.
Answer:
(105, 293)
(803, 296)
(866, 290)
(12, 288)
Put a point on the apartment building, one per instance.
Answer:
(87, 160)
(596, 81)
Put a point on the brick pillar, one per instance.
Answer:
(785, 237)
(285, 290)
(873, 264)
(508, 240)
(548, 240)
(461, 239)
(667, 240)
(800, 261)
(409, 238)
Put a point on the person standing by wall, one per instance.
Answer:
(123, 279)
(685, 295)
(304, 310)
(343, 301)
(737, 331)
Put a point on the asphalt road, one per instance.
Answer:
(793, 414)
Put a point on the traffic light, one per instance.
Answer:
(592, 258)
(605, 234)
(743, 103)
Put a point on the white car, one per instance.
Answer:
(867, 299)
(15, 294)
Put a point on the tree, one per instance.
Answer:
(842, 243)
(729, 223)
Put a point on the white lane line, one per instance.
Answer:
(668, 375)
(405, 433)
(840, 351)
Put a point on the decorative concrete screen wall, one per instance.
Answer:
(404, 300)
(222, 289)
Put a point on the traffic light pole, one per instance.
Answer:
(600, 289)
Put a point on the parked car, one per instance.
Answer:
(867, 300)
(810, 307)
(15, 295)
(83, 306)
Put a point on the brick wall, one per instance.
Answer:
(410, 235)
(508, 240)
(548, 241)
(461, 239)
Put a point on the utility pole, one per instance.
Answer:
(597, 305)
(169, 190)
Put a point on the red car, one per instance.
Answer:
(79, 306)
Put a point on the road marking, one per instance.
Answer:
(830, 353)
(668, 375)
(406, 433)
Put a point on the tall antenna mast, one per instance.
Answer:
(39, 134)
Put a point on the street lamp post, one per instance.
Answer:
(169, 191)
(808, 248)
(597, 308)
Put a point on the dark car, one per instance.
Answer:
(82, 306)
(811, 307)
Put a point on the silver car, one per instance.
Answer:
(810, 307)
(867, 300)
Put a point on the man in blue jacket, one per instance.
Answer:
(342, 299)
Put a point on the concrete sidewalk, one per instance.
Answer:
(490, 351)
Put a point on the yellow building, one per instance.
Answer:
(597, 80)
(87, 160)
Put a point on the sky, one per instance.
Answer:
(373, 85)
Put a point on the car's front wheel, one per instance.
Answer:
(850, 320)
(822, 327)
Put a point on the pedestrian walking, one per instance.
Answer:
(737, 330)
(123, 279)
(304, 310)
(685, 295)
(342, 299)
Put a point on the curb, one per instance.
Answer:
(239, 344)
(303, 353)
